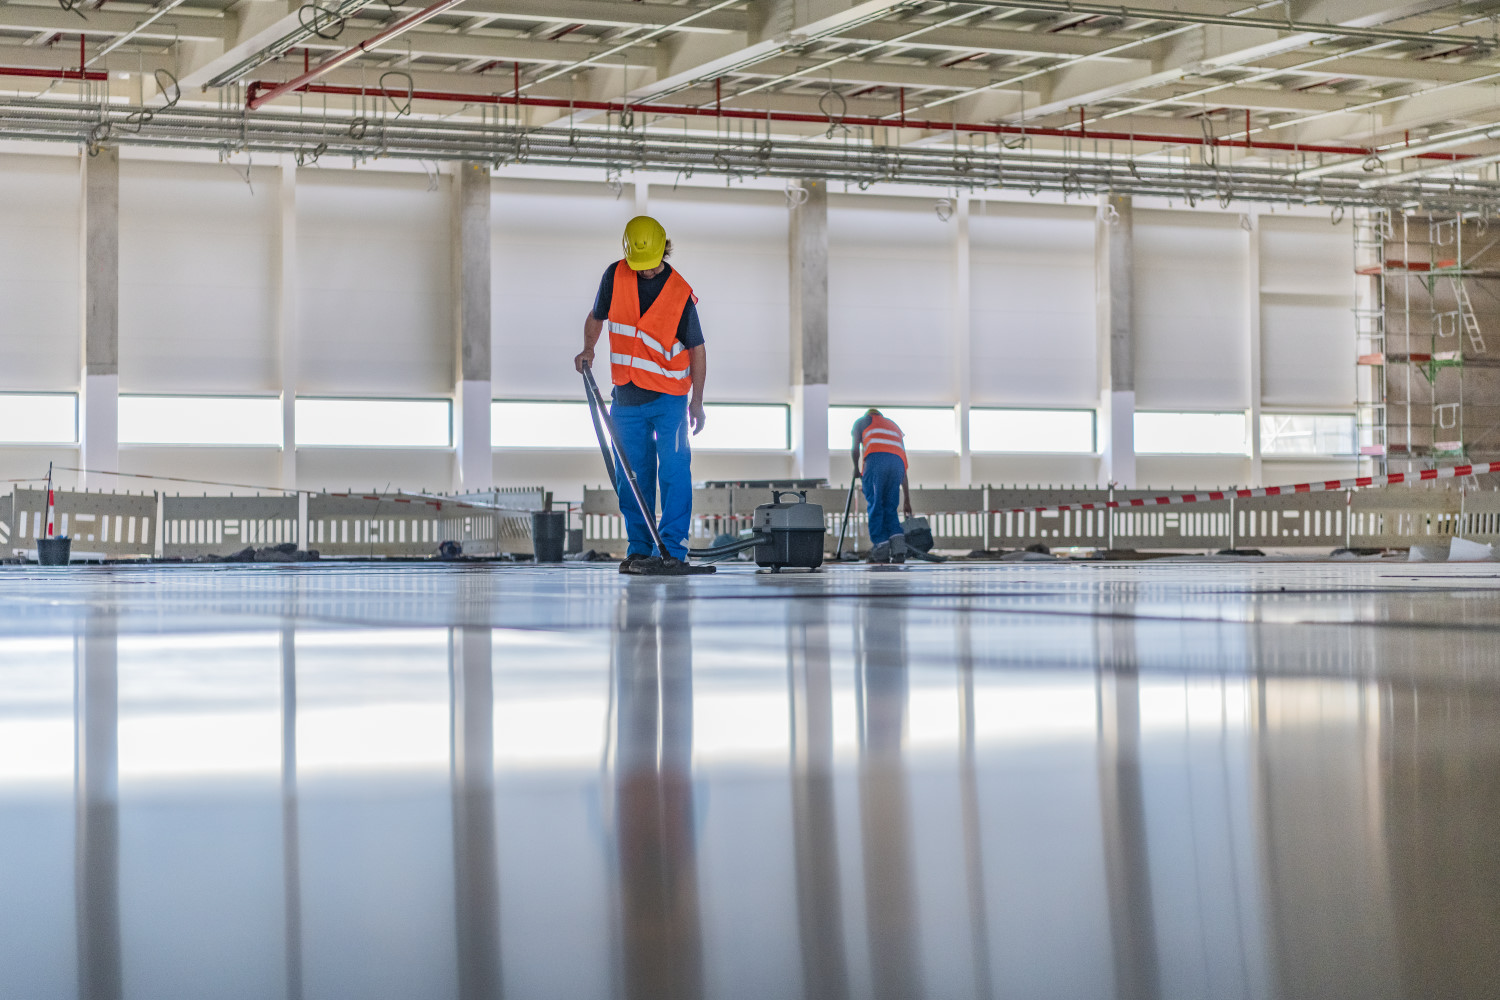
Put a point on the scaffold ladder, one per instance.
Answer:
(1466, 313)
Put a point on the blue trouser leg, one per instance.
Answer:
(655, 440)
(881, 479)
(638, 442)
(674, 468)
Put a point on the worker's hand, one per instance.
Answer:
(585, 359)
(695, 416)
(856, 471)
(906, 507)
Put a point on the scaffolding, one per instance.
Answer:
(1428, 385)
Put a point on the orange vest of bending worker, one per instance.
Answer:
(645, 349)
(882, 435)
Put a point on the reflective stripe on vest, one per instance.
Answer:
(644, 365)
(638, 344)
(882, 435)
(625, 330)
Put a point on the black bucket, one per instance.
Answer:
(549, 533)
(53, 551)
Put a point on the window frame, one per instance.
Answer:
(446, 401)
(1093, 415)
(195, 444)
(73, 443)
(1245, 447)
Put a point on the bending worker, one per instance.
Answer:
(657, 365)
(879, 454)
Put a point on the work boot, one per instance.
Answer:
(631, 564)
(898, 548)
(880, 553)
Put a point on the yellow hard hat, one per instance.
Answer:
(645, 242)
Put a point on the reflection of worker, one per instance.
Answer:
(879, 454)
(656, 356)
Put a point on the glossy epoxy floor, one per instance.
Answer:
(1030, 780)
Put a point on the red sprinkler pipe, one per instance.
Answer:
(53, 74)
(334, 62)
(677, 110)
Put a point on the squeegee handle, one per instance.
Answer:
(596, 401)
(838, 553)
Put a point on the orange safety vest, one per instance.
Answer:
(645, 349)
(882, 435)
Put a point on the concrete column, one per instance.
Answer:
(99, 382)
(471, 316)
(963, 335)
(642, 197)
(1113, 250)
(286, 317)
(809, 330)
(1253, 341)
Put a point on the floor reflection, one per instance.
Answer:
(474, 812)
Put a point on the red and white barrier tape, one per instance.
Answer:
(1326, 486)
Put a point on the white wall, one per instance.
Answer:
(198, 290)
(374, 314)
(39, 261)
(551, 245)
(1032, 301)
(731, 246)
(1191, 311)
(1307, 313)
(196, 285)
(890, 302)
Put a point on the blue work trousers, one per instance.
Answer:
(881, 479)
(654, 437)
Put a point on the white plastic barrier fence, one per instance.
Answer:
(373, 526)
(220, 526)
(101, 525)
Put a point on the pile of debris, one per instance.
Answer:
(283, 553)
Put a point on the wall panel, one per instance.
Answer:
(39, 337)
(732, 247)
(1307, 318)
(197, 291)
(890, 302)
(1191, 311)
(552, 241)
(1032, 292)
(373, 305)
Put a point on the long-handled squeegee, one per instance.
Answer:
(660, 564)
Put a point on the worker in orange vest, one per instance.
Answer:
(658, 365)
(879, 454)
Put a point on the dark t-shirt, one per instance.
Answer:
(688, 331)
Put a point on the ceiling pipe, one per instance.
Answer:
(1389, 180)
(1401, 153)
(37, 73)
(401, 27)
(1234, 21)
(256, 98)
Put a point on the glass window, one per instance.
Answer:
(926, 428)
(201, 420)
(1191, 434)
(1056, 432)
(745, 427)
(38, 418)
(1307, 434)
(374, 423)
(523, 424)
(729, 426)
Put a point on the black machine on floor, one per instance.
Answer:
(790, 533)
